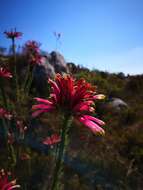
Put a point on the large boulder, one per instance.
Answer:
(58, 62)
(52, 63)
(117, 104)
(41, 73)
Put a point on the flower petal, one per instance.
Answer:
(100, 122)
(99, 96)
(91, 125)
(38, 112)
(55, 87)
(83, 106)
(43, 100)
(41, 106)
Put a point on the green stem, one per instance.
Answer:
(3, 96)
(61, 151)
(5, 129)
(10, 147)
(6, 125)
(15, 69)
(29, 82)
(13, 47)
(27, 76)
(13, 155)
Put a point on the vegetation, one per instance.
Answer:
(92, 161)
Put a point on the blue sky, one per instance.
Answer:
(100, 34)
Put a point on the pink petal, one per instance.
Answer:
(52, 140)
(53, 97)
(91, 125)
(47, 141)
(55, 87)
(13, 187)
(82, 106)
(38, 112)
(10, 185)
(100, 122)
(43, 100)
(41, 106)
(99, 96)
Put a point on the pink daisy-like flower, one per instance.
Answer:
(13, 34)
(5, 73)
(75, 97)
(6, 181)
(33, 52)
(5, 114)
(25, 156)
(53, 139)
(32, 46)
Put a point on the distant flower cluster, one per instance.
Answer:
(32, 46)
(33, 52)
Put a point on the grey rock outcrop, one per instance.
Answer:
(117, 104)
(58, 62)
(51, 64)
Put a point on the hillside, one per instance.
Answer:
(112, 161)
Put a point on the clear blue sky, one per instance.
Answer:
(101, 34)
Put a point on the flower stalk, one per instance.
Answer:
(13, 34)
(3, 95)
(61, 151)
(15, 68)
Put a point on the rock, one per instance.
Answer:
(41, 74)
(58, 62)
(72, 67)
(117, 104)
(51, 64)
(47, 69)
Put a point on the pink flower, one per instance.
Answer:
(32, 46)
(13, 34)
(92, 123)
(5, 73)
(33, 52)
(25, 156)
(53, 139)
(73, 97)
(6, 183)
(5, 114)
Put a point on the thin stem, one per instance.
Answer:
(13, 47)
(3, 95)
(5, 129)
(6, 126)
(13, 155)
(10, 147)
(29, 82)
(61, 151)
(27, 76)
(15, 69)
